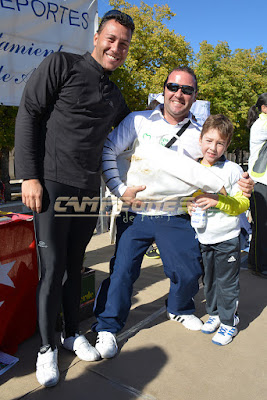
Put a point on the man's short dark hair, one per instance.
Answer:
(119, 16)
(184, 68)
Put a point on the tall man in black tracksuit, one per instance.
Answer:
(68, 107)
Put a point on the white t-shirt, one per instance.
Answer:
(221, 226)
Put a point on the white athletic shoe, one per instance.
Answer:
(106, 344)
(224, 335)
(189, 321)
(81, 347)
(47, 372)
(212, 324)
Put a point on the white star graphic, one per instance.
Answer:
(4, 278)
(4, 270)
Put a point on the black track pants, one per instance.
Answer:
(61, 239)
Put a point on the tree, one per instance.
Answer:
(232, 82)
(154, 51)
(7, 128)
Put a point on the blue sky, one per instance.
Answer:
(241, 23)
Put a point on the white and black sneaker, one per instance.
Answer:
(106, 344)
(81, 347)
(189, 321)
(47, 372)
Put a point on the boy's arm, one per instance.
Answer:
(233, 205)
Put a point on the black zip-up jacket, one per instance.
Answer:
(67, 109)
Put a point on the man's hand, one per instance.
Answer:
(32, 194)
(246, 184)
(129, 196)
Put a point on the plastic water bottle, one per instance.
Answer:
(198, 218)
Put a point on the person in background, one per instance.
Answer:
(257, 168)
(68, 107)
(219, 238)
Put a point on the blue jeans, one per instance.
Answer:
(180, 254)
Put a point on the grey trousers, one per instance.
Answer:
(221, 278)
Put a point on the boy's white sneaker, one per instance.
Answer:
(47, 372)
(225, 335)
(211, 325)
(81, 347)
(189, 321)
(106, 344)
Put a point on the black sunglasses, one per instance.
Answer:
(174, 87)
(115, 13)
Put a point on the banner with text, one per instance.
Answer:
(32, 29)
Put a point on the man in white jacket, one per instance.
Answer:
(151, 218)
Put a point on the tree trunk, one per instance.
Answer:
(237, 156)
(5, 178)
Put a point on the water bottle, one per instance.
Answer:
(198, 217)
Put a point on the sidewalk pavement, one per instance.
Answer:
(159, 359)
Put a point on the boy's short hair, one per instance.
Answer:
(119, 16)
(221, 123)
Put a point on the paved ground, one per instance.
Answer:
(158, 359)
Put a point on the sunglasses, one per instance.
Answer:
(115, 13)
(174, 87)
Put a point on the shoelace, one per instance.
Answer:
(224, 331)
(211, 320)
(104, 336)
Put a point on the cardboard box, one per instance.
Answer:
(87, 293)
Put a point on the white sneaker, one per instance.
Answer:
(106, 344)
(211, 325)
(224, 335)
(47, 372)
(190, 321)
(81, 347)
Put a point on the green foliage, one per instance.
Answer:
(232, 82)
(154, 52)
(7, 126)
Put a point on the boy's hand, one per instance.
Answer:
(246, 184)
(190, 207)
(207, 200)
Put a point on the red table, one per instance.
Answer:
(18, 281)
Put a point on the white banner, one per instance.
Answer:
(32, 29)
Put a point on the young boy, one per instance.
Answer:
(219, 239)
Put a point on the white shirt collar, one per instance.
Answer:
(157, 113)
